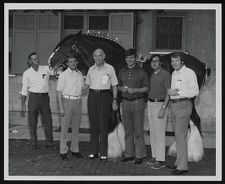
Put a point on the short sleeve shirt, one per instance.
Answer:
(70, 82)
(102, 78)
(134, 77)
(159, 83)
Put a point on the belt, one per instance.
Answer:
(180, 100)
(156, 100)
(38, 93)
(71, 97)
(99, 90)
(132, 99)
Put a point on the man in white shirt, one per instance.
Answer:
(100, 77)
(184, 86)
(70, 84)
(35, 82)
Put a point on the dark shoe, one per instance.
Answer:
(151, 161)
(126, 159)
(92, 156)
(103, 158)
(178, 172)
(172, 166)
(158, 165)
(77, 155)
(64, 156)
(138, 161)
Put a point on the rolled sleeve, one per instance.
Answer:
(114, 80)
(88, 80)
(60, 83)
(25, 83)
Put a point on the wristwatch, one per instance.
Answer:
(163, 106)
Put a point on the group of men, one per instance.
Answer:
(104, 85)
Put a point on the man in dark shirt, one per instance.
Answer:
(158, 100)
(133, 83)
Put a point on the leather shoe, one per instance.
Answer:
(103, 158)
(138, 161)
(178, 172)
(64, 156)
(171, 166)
(92, 156)
(77, 155)
(126, 159)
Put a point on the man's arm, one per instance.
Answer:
(23, 105)
(60, 105)
(115, 92)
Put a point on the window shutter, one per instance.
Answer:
(121, 27)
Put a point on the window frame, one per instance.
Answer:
(170, 14)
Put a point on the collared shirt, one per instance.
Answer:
(134, 77)
(101, 78)
(185, 80)
(36, 81)
(70, 82)
(159, 83)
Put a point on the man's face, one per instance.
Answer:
(72, 63)
(155, 63)
(34, 60)
(176, 63)
(99, 56)
(130, 60)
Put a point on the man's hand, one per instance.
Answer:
(172, 92)
(114, 105)
(124, 89)
(131, 90)
(161, 113)
(23, 109)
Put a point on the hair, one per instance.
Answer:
(74, 55)
(177, 55)
(130, 52)
(100, 50)
(156, 55)
(29, 58)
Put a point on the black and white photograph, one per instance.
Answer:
(113, 91)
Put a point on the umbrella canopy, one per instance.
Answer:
(84, 45)
(190, 61)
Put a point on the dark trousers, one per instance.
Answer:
(100, 112)
(39, 103)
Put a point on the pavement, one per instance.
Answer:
(45, 163)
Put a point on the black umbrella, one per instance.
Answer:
(191, 62)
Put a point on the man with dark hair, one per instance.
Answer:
(133, 83)
(35, 83)
(158, 99)
(184, 86)
(70, 84)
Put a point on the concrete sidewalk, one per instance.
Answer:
(25, 161)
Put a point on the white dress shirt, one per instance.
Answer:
(185, 80)
(36, 81)
(70, 83)
(101, 78)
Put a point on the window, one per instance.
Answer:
(48, 22)
(73, 22)
(169, 32)
(24, 22)
(98, 22)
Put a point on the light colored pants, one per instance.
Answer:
(72, 115)
(157, 130)
(181, 113)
